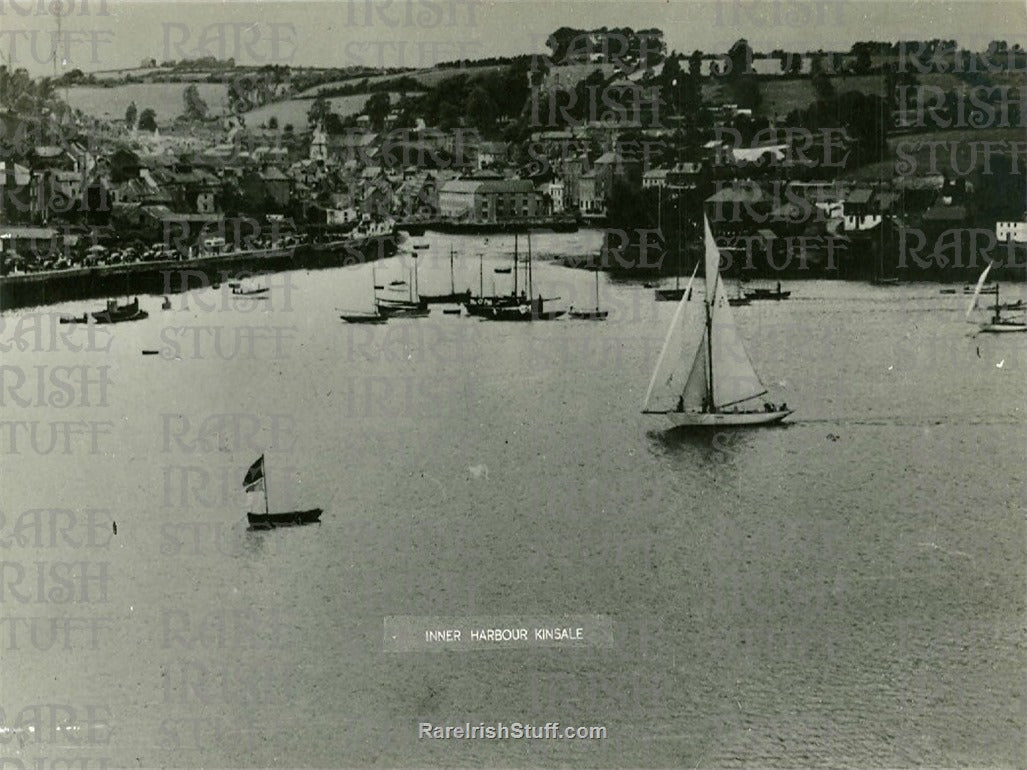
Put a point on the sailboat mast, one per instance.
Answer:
(263, 467)
(709, 340)
(530, 289)
(516, 268)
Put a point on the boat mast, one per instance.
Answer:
(263, 467)
(530, 289)
(516, 268)
(709, 339)
(452, 279)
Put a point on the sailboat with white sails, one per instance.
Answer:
(997, 324)
(703, 376)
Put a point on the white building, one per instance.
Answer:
(656, 177)
(340, 216)
(556, 194)
(1012, 230)
(319, 145)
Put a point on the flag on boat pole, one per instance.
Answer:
(254, 480)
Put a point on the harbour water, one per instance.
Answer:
(843, 591)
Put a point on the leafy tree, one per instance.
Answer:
(695, 65)
(319, 111)
(377, 109)
(562, 41)
(821, 81)
(863, 63)
(131, 114)
(195, 107)
(480, 109)
(740, 56)
(148, 120)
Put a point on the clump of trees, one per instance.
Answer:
(740, 76)
(148, 120)
(645, 48)
(195, 106)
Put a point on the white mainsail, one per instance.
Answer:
(977, 290)
(734, 378)
(671, 375)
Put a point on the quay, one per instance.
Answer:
(157, 277)
(418, 228)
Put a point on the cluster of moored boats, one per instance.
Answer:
(114, 312)
(522, 304)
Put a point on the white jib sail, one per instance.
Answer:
(671, 373)
(734, 377)
(977, 290)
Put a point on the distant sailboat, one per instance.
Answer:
(454, 295)
(703, 376)
(255, 480)
(591, 315)
(997, 324)
(525, 308)
(372, 316)
(484, 307)
(672, 295)
(411, 307)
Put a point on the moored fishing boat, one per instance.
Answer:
(590, 315)
(454, 296)
(523, 308)
(115, 313)
(775, 294)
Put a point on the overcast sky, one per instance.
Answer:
(415, 33)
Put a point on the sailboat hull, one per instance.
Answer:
(363, 318)
(459, 298)
(588, 315)
(723, 419)
(289, 519)
(1002, 327)
(669, 295)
